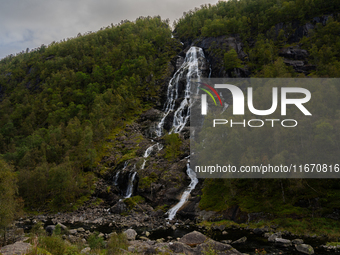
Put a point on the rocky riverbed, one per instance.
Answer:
(150, 232)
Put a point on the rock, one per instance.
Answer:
(72, 231)
(218, 247)
(101, 235)
(294, 53)
(241, 240)
(85, 250)
(147, 233)
(16, 248)
(173, 227)
(305, 248)
(224, 232)
(130, 234)
(227, 241)
(283, 242)
(274, 236)
(119, 208)
(72, 239)
(80, 230)
(221, 227)
(160, 240)
(50, 229)
(297, 241)
(258, 231)
(193, 238)
(62, 226)
(178, 247)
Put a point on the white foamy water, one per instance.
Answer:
(192, 175)
(190, 70)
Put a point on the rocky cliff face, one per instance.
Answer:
(161, 181)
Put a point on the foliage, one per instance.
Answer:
(248, 17)
(146, 181)
(131, 202)
(9, 204)
(96, 242)
(173, 143)
(116, 243)
(59, 102)
(231, 60)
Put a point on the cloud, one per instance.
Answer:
(31, 23)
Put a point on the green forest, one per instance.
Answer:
(59, 103)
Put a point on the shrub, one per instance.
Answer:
(117, 244)
(95, 242)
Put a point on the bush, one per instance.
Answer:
(116, 244)
(95, 242)
(173, 144)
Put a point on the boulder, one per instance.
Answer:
(119, 208)
(297, 241)
(16, 248)
(305, 248)
(50, 229)
(193, 238)
(241, 240)
(130, 234)
(219, 248)
(282, 242)
(272, 237)
(85, 250)
(178, 247)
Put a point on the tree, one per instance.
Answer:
(8, 201)
(231, 60)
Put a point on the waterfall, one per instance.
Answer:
(191, 72)
(182, 114)
(149, 150)
(129, 189)
(192, 175)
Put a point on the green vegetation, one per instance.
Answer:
(265, 27)
(95, 242)
(59, 103)
(10, 205)
(306, 226)
(255, 20)
(54, 244)
(146, 181)
(117, 244)
(248, 17)
(131, 202)
(173, 143)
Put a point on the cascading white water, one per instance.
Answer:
(192, 175)
(181, 117)
(149, 150)
(189, 68)
(191, 71)
(129, 189)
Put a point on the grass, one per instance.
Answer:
(306, 226)
(47, 245)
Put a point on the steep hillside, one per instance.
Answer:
(99, 124)
(59, 103)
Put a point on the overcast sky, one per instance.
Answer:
(30, 23)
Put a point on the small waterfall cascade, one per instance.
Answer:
(189, 71)
(192, 175)
(129, 189)
(149, 150)
(125, 176)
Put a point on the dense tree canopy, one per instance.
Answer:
(60, 101)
